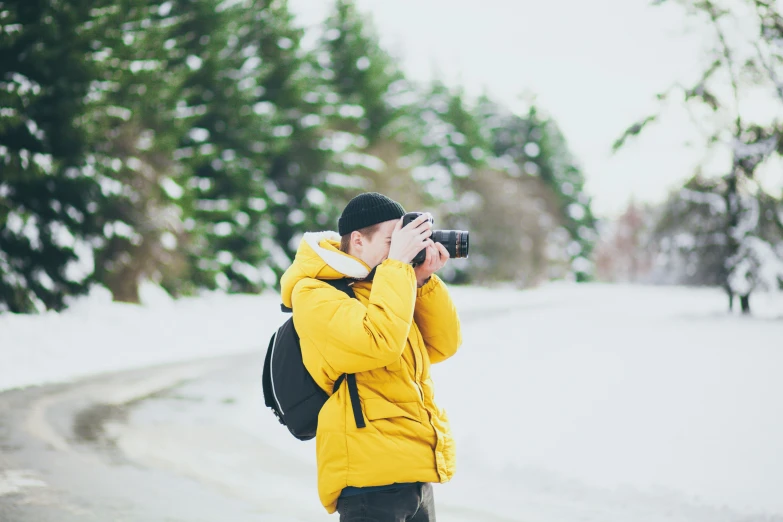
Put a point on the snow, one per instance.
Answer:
(648, 388)
(591, 402)
(756, 265)
(14, 480)
(760, 149)
(95, 335)
(366, 161)
(715, 201)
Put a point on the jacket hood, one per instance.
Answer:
(319, 257)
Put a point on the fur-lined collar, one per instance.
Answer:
(343, 263)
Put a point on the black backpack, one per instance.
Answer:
(290, 391)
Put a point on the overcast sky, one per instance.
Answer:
(594, 65)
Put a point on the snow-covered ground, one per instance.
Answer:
(588, 402)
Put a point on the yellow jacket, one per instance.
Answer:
(388, 337)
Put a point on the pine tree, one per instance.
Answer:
(538, 148)
(221, 151)
(453, 144)
(454, 154)
(690, 234)
(47, 202)
(369, 110)
(362, 73)
(133, 122)
(296, 190)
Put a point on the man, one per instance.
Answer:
(401, 321)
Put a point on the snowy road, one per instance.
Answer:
(81, 453)
(58, 462)
(604, 404)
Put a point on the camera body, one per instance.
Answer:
(456, 241)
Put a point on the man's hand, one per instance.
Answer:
(437, 255)
(409, 241)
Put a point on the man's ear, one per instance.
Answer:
(357, 241)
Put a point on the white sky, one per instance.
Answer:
(594, 65)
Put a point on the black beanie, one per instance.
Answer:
(366, 210)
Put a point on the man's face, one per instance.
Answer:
(375, 250)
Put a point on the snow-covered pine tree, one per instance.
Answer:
(223, 148)
(371, 111)
(534, 144)
(48, 202)
(296, 158)
(744, 66)
(133, 122)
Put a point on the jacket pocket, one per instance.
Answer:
(376, 409)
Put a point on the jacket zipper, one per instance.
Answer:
(421, 392)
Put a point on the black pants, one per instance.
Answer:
(409, 503)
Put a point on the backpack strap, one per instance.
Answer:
(353, 390)
(353, 393)
(340, 284)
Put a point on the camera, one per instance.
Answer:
(455, 241)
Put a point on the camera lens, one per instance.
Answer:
(455, 241)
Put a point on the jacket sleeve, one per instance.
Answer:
(353, 337)
(437, 319)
